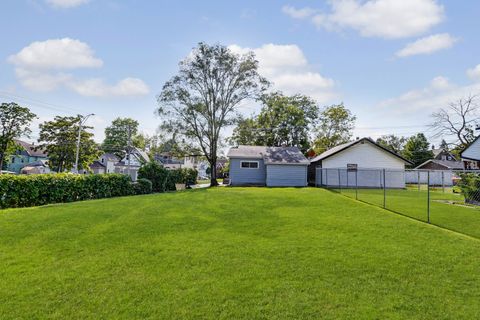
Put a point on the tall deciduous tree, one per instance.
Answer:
(59, 139)
(117, 135)
(204, 96)
(283, 120)
(336, 124)
(14, 122)
(457, 120)
(417, 149)
(392, 142)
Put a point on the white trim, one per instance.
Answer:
(257, 162)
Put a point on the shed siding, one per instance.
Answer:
(246, 176)
(286, 175)
(365, 155)
(473, 151)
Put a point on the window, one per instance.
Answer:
(249, 164)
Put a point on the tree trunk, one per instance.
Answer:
(213, 173)
(2, 157)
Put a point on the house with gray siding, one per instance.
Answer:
(267, 166)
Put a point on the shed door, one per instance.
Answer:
(286, 175)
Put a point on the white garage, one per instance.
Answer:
(359, 163)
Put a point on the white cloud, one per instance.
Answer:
(63, 53)
(474, 73)
(42, 66)
(298, 13)
(287, 67)
(98, 88)
(437, 94)
(66, 3)
(380, 18)
(427, 45)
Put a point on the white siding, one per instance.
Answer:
(286, 175)
(365, 155)
(473, 151)
(362, 178)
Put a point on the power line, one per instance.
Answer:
(41, 104)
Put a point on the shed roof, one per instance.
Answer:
(455, 165)
(347, 145)
(271, 155)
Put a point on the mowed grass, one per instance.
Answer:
(233, 253)
(413, 203)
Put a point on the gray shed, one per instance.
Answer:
(268, 166)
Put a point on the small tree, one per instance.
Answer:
(203, 98)
(116, 136)
(336, 125)
(59, 139)
(457, 120)
(14, 122)
(417, 149)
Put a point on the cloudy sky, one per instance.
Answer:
(391, 62)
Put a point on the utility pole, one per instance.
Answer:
(81, 122)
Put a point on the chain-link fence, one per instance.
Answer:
(450, 199)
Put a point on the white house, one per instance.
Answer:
(471, 155)
(358, 163)
(137, 159)
(198, 163)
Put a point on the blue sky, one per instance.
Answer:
(391, 62)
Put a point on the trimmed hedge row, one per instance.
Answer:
(41, 189)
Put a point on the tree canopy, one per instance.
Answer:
(283, 120)
(116, 136)
(392, 142)
(417, 149)
(204, 96)
(14, 123)
(59, 138)
(336, 124)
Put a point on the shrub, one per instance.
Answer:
(142, 186)
(469, 184)
(184, 175)
(157, 174)
(34, 190)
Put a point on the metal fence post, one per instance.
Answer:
(339, 181)
(443, 181)
(326, 177)
(418, 180)
(428, 196)
(384, 190)
(356, 184)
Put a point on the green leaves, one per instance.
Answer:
(41, 189)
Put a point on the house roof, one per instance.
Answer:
(347, 145)
(471, 144)
(270, 155)
(445, 163)
(96, 164)
(30, 149)
(110, 157)
(142, 154)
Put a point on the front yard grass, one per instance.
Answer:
(232, 253)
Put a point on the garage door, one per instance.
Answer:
(286, 175)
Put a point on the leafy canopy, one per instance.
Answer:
(204, 96)
(59, 138)
(14, 123)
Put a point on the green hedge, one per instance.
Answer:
(469, 184)
(40, 189)
(142, 186)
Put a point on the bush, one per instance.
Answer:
(469, 184)
(142, 186)
(34, 190)
(165, 180)
(157, 174)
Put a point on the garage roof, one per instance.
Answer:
(270, 155)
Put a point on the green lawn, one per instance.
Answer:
(233, 253)
(413, 203)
